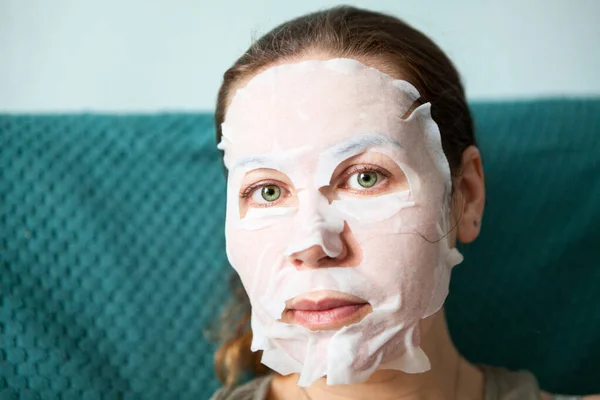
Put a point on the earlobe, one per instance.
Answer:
(471, 191)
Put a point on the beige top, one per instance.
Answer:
(500, 384)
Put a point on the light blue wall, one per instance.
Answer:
(134, 55)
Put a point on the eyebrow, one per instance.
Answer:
(254, 161)
(353, 145)
(359, 144)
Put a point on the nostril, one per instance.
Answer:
(347, 253)
(343, 254)
(312, 257)
(296, 262)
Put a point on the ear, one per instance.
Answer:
(470, 191)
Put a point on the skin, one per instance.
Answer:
(451, 376)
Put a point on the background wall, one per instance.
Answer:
(135, 55)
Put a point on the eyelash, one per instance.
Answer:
(365, 168)
(248, 191)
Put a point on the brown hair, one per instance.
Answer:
(352, 33)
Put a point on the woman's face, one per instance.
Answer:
(337, 214)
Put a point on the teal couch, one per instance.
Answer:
(112, 255)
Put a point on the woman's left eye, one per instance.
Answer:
(266, 194)
(363, 180)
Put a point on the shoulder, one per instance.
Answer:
(503, 384)
(256, 389)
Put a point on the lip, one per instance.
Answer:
(326, 313)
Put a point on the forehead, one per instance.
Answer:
(315, 104)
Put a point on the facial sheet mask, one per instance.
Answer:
(302, 121)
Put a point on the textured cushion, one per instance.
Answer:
(112, 254)
(528, 293)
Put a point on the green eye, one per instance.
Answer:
(367, 179)
(270, 192)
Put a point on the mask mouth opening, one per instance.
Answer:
(325, 310)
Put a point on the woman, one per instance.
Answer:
(352, 172)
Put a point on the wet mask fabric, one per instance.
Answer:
(299, 125)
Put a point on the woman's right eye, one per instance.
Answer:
(266, 194)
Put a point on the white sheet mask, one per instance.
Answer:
(303, 120)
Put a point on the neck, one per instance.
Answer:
(450, 376)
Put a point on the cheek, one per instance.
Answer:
(404, 265)
(398, 259)
(256, 254)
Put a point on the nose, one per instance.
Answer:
(320, 237)
(316, 255)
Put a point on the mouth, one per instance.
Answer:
(332, 311)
